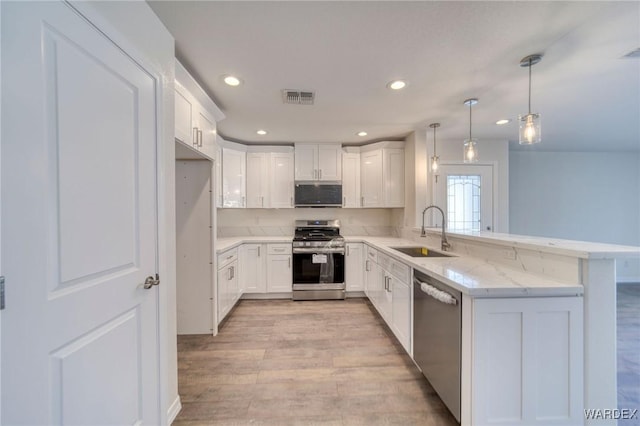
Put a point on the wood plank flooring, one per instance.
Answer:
(280, 362)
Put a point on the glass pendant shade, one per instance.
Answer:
(470, 144)
(470, 150)
(435, 160)
(435, 163)
(530, 130)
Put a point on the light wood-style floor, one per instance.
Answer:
(303, 363)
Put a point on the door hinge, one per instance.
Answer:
(1, 293)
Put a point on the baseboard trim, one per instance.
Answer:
(173, 410)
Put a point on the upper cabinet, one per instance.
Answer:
(270, 177)
(351, 178)
(382, 175)
(195, 115)
(233, 174)
(318, 162)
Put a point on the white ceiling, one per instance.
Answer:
(587, 93)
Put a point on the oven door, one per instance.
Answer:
(318, 269)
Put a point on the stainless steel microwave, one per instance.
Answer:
(318, 195)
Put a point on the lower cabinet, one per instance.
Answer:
(387, 285)
(251, 276)
(354, 271)
(279, 268)
(228, 290)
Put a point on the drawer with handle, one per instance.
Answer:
(227, 257)
(279, 248)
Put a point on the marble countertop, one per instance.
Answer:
(472, 276)
(578, 249)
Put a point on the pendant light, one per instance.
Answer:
(471, 144)
(529, 124)
(435, 160)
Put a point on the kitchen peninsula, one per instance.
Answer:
(511, 284)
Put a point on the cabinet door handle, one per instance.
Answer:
(229, 274)
(242, 201)
(289, 262)
(278, 249)
(366, 265)
(291, 201)
(200, 138)
(320, 173)
(344, 201)
(261, 201)
(361, 201)
(389, 284)
(258, 251)
(347, 250)
(315, 174)
(195, 136)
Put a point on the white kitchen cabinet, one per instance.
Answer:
(195, 114)
(526, 362)
(281, 180)
(351, 179)
(252, 265)
(393, 176)
(318, 162)
(387, 285)
(370, 271)
(270, 177)
(233, 177)
(401, 313)
(354, 272)
(228, 291)
(371, 179)
(279, 272)
(258, 164)
(382, 175)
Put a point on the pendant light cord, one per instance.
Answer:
(470, 105)
(434, 141)
(529, 86)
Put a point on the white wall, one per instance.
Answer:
(134, 26)
(579, 196)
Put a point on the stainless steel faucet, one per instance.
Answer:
(423, 233)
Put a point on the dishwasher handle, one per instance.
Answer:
(439, 295)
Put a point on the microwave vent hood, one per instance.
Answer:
(315, 194)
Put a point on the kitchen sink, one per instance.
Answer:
(420, 252)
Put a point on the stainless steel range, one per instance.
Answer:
(318, 260)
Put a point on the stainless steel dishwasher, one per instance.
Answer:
(437, 333)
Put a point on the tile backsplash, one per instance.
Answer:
(280, 222)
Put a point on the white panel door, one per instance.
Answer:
(184, 116)
(279, 274)
(233, 178)
(251, 277)
(371, 179)
(351, 180)
(257, 179)
(330, 162)
(207, 139)
(306, 159)
(393, 175)
(281, 187)
(80, 333)
(465, 193)
(354, 272)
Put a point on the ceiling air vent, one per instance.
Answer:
(634, 54)
(298, 97)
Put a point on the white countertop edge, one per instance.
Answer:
(579, 249)
(544, 286)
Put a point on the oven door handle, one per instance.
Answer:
(319, 251)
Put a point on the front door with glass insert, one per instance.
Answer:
(465, 193)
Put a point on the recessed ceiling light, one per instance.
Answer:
(362, 133)
(503, 121)
(261, 132)
(231, 80)
(397, 84)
